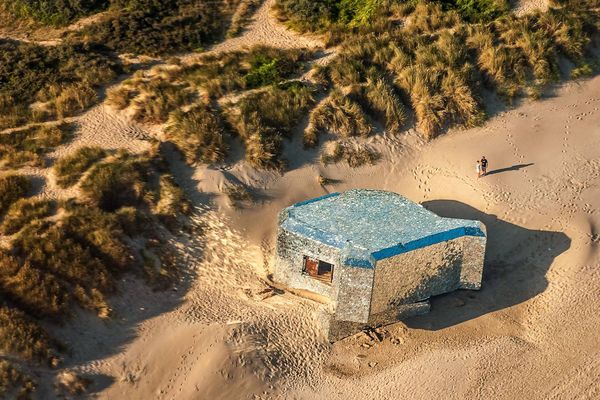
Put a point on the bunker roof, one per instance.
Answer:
(371, 225)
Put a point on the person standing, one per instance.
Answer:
(484, 165)
(478, 168)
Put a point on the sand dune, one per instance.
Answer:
(227, 334)
(527, 334)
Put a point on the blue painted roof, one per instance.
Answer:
(370, 225)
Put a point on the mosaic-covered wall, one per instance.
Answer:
(291, 249)
(396, 288)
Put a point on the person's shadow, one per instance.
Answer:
(507, 169)
(516, 262)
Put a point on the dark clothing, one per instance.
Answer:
(484, 163)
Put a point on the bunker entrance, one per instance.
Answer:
(320, 270)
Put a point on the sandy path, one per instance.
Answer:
(522, 7)
(266, 30)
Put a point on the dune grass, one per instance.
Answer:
(14, 383)
(440, 60)
(159, 98)
(28, 146)
(356, 155)
(199, 134)
(64, 78)
(23, 212)
(260, 66)
(12, 188)
(70, 253)
(70, 169)
(339, 114)
(264, 118)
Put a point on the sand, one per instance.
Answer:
(522, 7)
(527, 334)
(225, 333)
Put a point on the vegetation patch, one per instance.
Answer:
(61, 79)
(70, 169)
(12, 188)
(71, 253)
(355, 155)
(264, 118)
(14, 383)
(338, 114)
(161, 27)
(23, 212)
(28, 146)
(238, 194)
(53, 12)
(260, 66)
(199, 134)
(241, 16)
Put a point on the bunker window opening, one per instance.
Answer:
(320, 270)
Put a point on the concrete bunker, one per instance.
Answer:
(377, 256)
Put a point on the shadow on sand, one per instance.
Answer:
(516, 262)
(507, 169)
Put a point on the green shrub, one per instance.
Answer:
(71, 168)
(479, 10)
(321, 14)
(23, 212)
(12, 188)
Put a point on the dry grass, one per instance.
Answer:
(28, 146)
(21, 336)
(70, 169)
(355, 155)
(238, 195)
(264, 118)
(172, 201)
(114, 183)
(383, 101)
(14, 383)
(242, 16)
(69, 383)
(23, 212)
(158, 98)
(12, 188)
(199, 134)
(338, 114)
